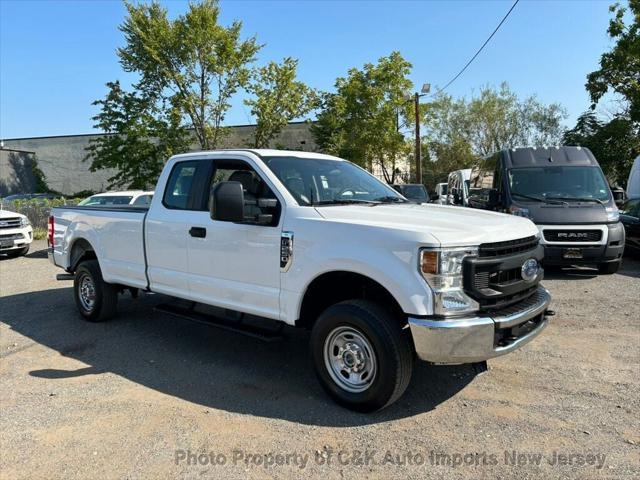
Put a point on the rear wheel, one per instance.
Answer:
(362, 356)
(96, 300)
(609, 268)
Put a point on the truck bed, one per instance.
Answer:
(116, 234)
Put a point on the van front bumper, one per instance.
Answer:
(478, 338)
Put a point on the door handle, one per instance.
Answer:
(198, 232)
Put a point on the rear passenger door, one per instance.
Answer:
(167, 228)
(237, 265)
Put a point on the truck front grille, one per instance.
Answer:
(10, 222)
(494, 278)
(12, 236)
(499, 249)
(572, 235)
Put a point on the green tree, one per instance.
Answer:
(620, 67)
(279, 98)
(360, 120)
(191, 63)
(140, 136)
(614, 143)
(493, 120)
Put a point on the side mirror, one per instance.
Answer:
(226, 202)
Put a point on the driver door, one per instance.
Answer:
(237, 265)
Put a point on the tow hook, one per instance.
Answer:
(549, 313)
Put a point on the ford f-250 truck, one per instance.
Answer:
(314, 241)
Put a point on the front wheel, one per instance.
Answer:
(96, 299)
(362, 356)
(609, 268)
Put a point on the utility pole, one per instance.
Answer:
(416, 98)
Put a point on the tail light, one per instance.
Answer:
(50, 229)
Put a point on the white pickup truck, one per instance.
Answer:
(273, 237)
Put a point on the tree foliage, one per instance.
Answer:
(192, 63)
(279, 98)
(360, 120)
(495, 119)
(614, 143)
(620, 67)
(140, 136)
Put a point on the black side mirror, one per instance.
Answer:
(226, 202)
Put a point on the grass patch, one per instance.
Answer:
(39, 233)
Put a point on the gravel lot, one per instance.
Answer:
(134, 397)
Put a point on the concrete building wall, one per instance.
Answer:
(16, 172)
(61, 158)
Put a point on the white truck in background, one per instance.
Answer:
(268, 238)
(16, 233)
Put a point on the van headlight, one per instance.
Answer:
(442, 269)
(24, 222)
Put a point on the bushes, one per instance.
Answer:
(38, 210)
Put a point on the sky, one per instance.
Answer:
(56, 56)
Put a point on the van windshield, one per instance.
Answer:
(560, 183)
(314, 181)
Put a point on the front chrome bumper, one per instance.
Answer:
(479, 338)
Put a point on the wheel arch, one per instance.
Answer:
(335, 286)
(81, 250)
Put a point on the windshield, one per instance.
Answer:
(414, 192)
(560, 183)
(105, 200)
(314, 181)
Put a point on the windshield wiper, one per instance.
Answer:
(578, 199)
(390, 199)
(537, 199)
(345, 201)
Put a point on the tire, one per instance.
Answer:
(609, 268)
(99, 300)
(382, 357)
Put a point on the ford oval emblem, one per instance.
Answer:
(529, 270)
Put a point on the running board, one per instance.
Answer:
(264, 334)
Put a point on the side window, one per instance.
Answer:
(143, 200)
(261, 206)
(182, 185)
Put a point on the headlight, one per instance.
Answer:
(24, 222)
(519, 211)
(613, 214)
(442, 269)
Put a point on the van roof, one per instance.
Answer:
(548, 156)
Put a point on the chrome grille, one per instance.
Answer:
(13, 222)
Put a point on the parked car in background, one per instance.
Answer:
(440, 194)
(564, 192)
(633, 184)
(313, 241)
(630, 218)
(414, 192)
(16, 233)
(128, 197)
(458, 187)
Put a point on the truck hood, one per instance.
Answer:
(8, 214)
(451, 226)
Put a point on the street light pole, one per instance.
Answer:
(418, 143)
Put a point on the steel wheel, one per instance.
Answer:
(350, 359)
(87, 292)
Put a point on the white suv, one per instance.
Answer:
(16, 233)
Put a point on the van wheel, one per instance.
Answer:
(362, 356)
(96, 300)
(609, 268)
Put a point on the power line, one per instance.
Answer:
(481, 48)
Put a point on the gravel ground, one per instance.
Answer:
(144, 395)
